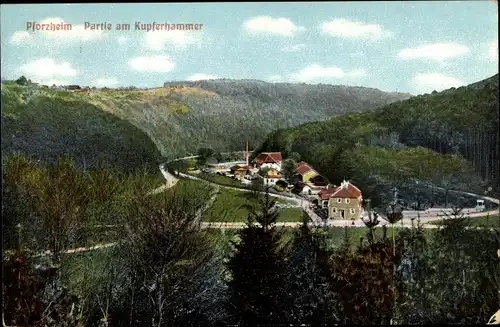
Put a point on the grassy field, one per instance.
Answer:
(228, 181)
(488, 221)
(234, 206)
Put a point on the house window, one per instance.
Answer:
(339, 200)
(347, 200)
(334, 210)
(352, 211)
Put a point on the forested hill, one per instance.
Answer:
(223, 113)
(216, 114)
(394, 142)
(47, 125)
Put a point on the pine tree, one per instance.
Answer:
(257, 269)
(309, 267)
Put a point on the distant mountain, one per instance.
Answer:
(449, 137)
(226, 112)
(179, 117)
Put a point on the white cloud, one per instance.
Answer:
(357, 54)
(294, 48)
(122, 39)
(20, 37)
(316, 71)
(76, 33)
(48, 71)
(493, 50)
(105, 82)
(360, 72)
(274, 78)
(428, 82)
(269, 25)
(158, 40)
(349, 29)
(201, 76)
(154, 64)
(436, 51)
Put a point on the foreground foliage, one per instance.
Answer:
(166, 271)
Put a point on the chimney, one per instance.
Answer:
(246, 153)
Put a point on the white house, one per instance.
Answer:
(270, 160)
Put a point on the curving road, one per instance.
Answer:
(426, 217)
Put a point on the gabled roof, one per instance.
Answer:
(268, 157)
(352, 188)
(303, 169)
(325, 193)
(343, 192)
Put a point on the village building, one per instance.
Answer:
(73, 87)
(324, 195)
(270, 160)
(345, 203)
(308, 180)
(271, 177)
(240, 171)
(81, 90)
(318, 181)
(304, 172)
(308, 189)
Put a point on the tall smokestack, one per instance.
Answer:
(246, 153)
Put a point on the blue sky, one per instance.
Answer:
(411, 47)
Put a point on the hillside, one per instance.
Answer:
(47, 125)
(230, 111)
(178, 118)
(448, 138)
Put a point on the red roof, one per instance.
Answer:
(343, 192)
(303, 168)
(353, 189)
(268, 157)
(325, 193)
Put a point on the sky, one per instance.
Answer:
(410, 46)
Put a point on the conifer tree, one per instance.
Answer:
(309, 269)
(257, 270)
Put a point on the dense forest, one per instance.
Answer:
(47, 125)
(216, 114)
(164, 270)
(422, 138)
(247, 109)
